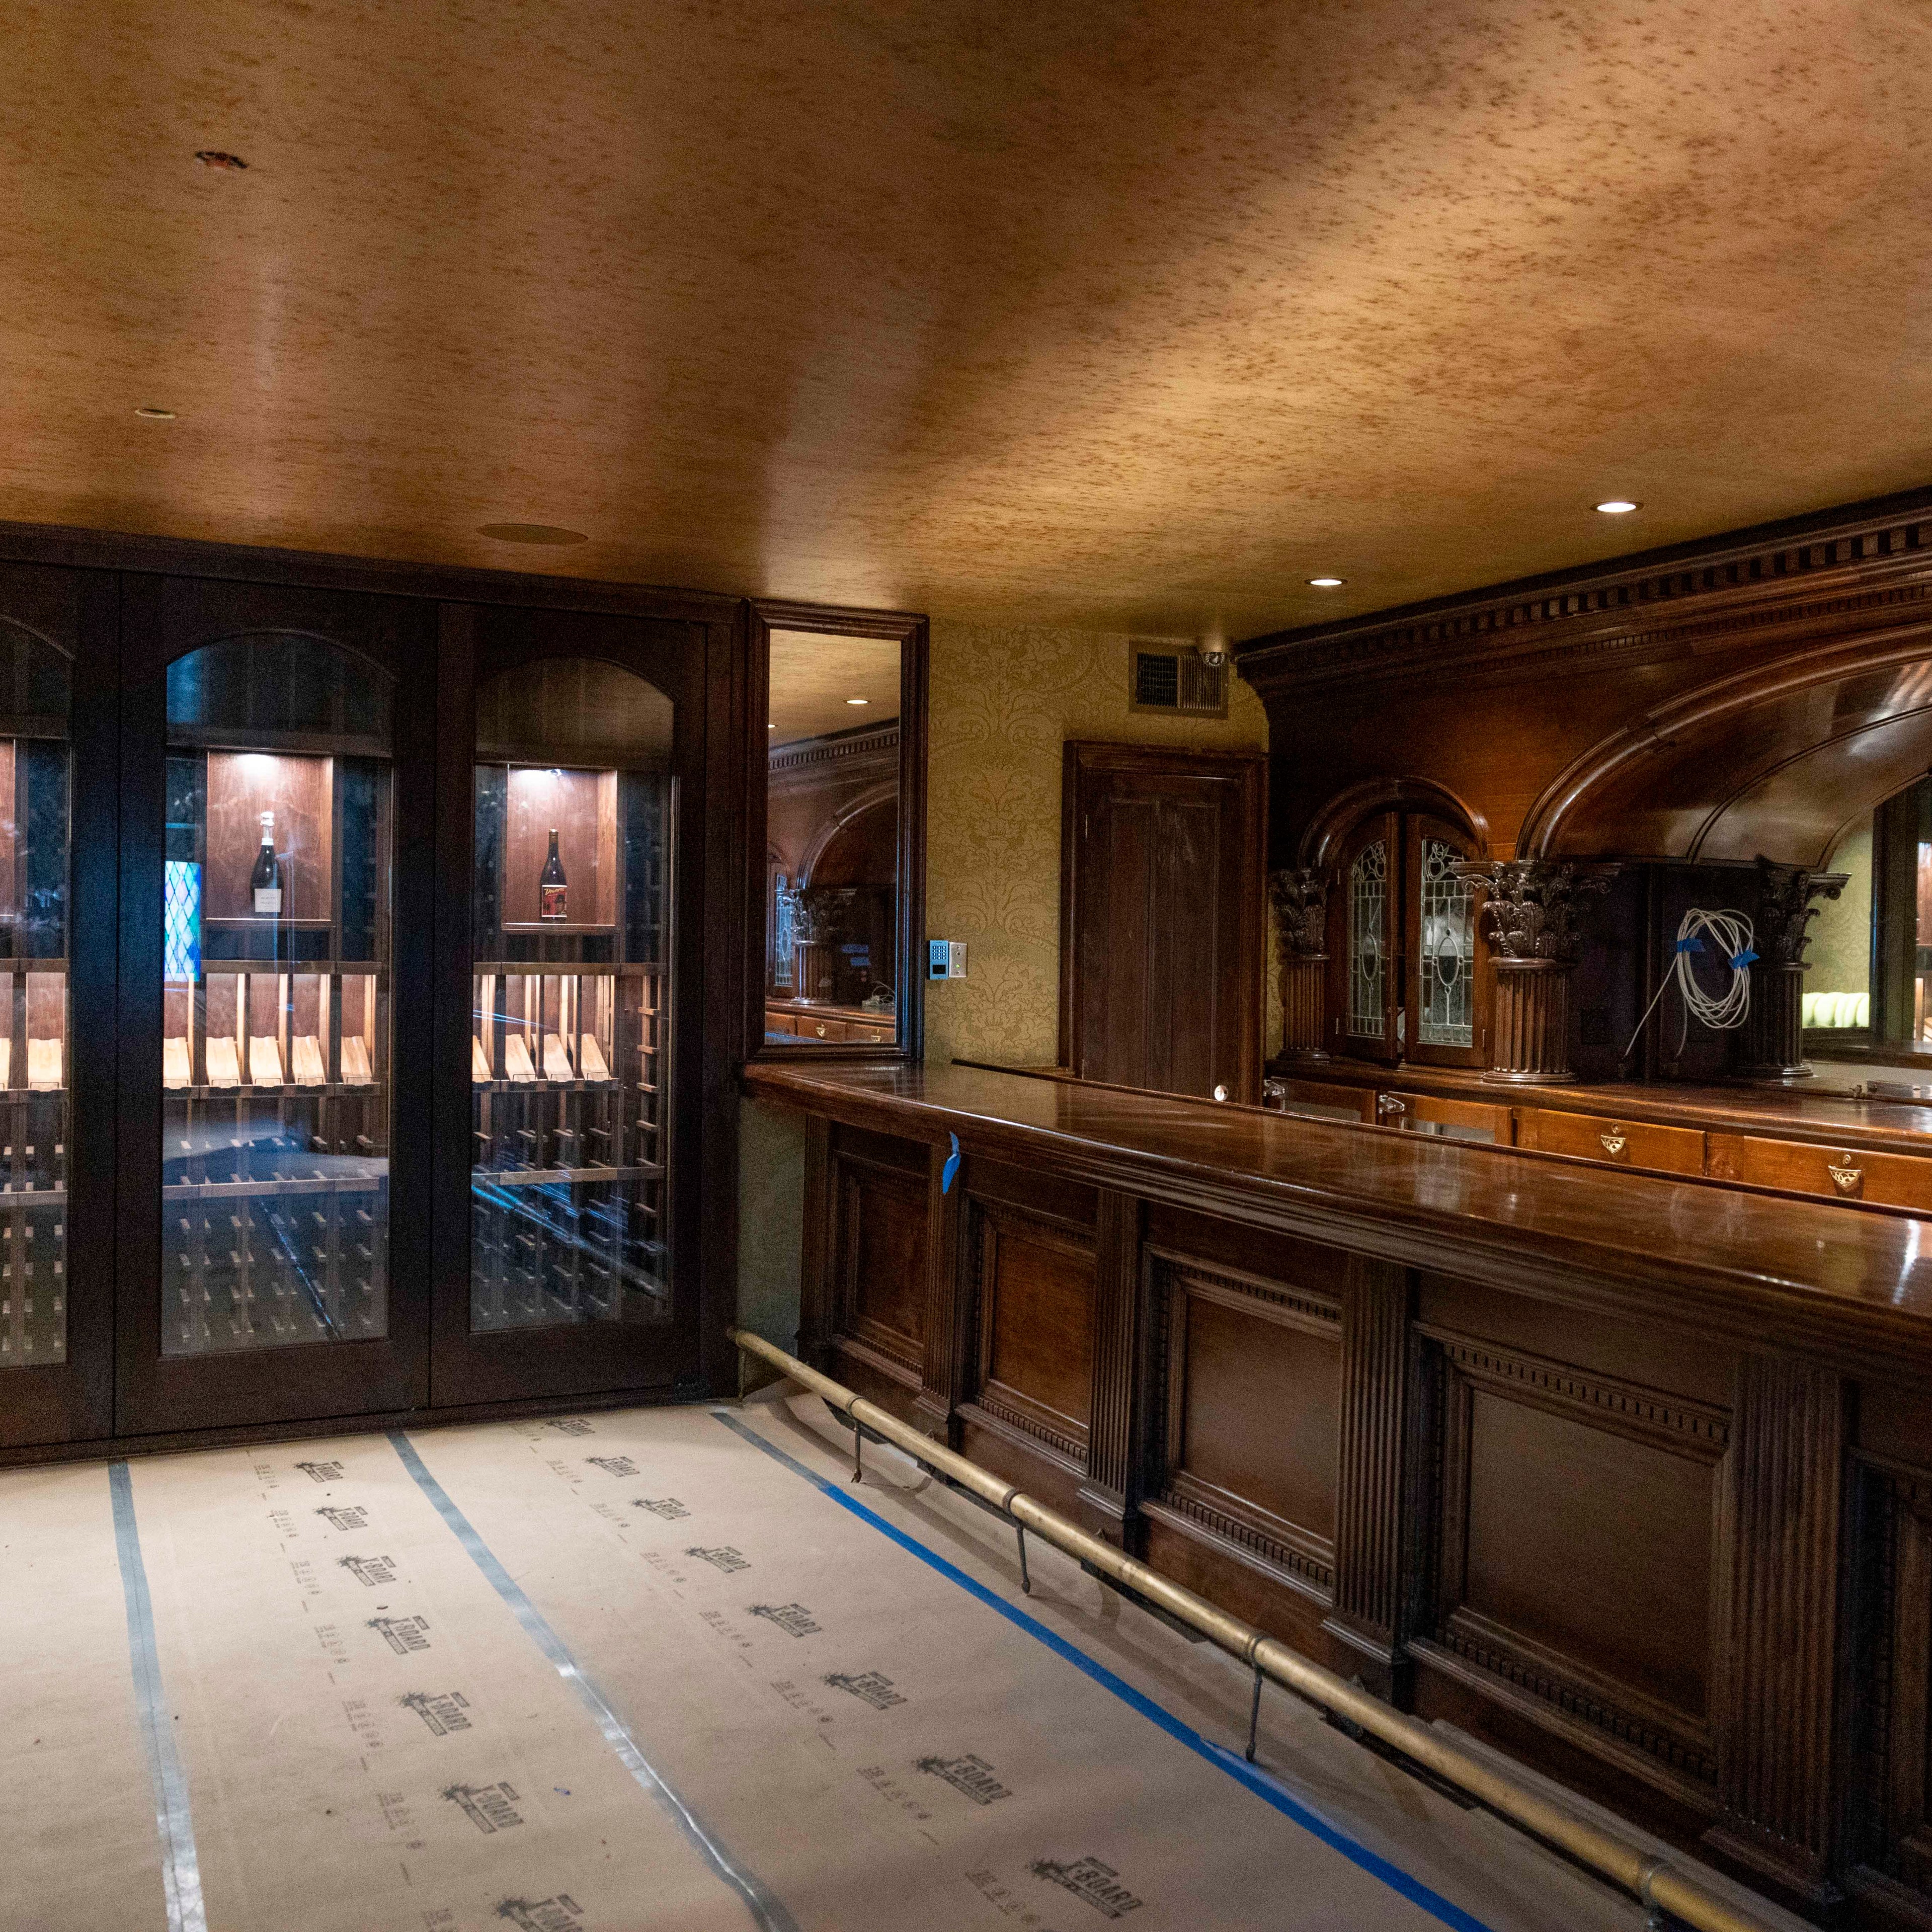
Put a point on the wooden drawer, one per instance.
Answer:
(809, 1028)
(1843, 1173)
(1452, 1119)
(1600, 1137)
(872, 1035)
(1325, 1100)
(780, 1023)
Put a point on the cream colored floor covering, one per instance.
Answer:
(362, 1652)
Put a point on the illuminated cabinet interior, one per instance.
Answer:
(276, 1045)
(569, 1045)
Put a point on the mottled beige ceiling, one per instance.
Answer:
(815, 678)
(1132, 316)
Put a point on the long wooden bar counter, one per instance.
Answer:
(1629, 1474)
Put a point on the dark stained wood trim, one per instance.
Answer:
(1861, 563)
(1372, 1590)
(947, 1343)
(815, 1260)
(182, 556)
(1777, 1771)
(1112, 1448)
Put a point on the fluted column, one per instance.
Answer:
(1529, 921)
(1300, 899)
(1774, 1033)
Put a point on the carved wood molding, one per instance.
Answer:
(995, 1403)
(1300, 897)
(1313, 1565)
(1371, 1589)
(1530, 906)
(1300, 1307)
(851, 752)
(1685, 1426)
(1826, 573)
(1672, 1738)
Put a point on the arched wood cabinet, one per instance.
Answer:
(371, 950)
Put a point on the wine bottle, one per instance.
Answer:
(552, 888)
(265, 880)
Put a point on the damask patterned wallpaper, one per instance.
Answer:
(1004, 702)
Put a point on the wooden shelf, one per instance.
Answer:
(368, 1090)
(570, 1177)
(178, 1193)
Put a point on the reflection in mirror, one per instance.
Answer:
(1869, 977)
(832, 839)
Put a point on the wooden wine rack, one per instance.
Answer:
(567, 1173)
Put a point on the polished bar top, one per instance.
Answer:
(1844, 1281)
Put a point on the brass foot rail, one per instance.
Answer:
(1657, 1884)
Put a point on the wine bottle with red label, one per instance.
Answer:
(553, 890)
(265, 880)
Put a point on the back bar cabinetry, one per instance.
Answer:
(1631, 1475)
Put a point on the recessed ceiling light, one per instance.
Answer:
(531, 533)
(858, 700)
(213, 157)
(1618, 506)
(154, 415)
(1328, 583)
(771, 728)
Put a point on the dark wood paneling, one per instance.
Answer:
(1032, 1289)
(881, 1269)
(1113, 1448)
(1246, 1403)
(1547, 1474)
(1161, 943)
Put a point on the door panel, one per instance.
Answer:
(274, 967)
(1162, 945)
(57, 797)
(569, 1223)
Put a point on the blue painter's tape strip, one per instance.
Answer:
(767, 1912)
(1744, 959)
(1269, 1790)
(951, 1168)
(174, 1825)
(1693, 944)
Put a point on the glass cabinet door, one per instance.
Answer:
(570, 1047)
(276, 1046)
(274, 962)
(36, 1126)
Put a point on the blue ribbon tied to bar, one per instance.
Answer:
(951, 1168)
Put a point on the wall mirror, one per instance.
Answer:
(841, 893)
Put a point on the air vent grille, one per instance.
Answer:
(1177, 680)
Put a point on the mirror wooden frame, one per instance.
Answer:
(910, 632)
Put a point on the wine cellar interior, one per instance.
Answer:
(570, 1053)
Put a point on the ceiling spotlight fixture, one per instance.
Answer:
(213, 157)
(1618, 506)
(1328, 583)
(531, 533)
(151, 414)
(858, 700)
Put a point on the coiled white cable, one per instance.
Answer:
(1728, 935)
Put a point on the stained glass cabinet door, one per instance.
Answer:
(1448, 998)
(1365, 934)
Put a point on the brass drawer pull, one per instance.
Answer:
(1845, 1179)
(1388, 1103)
(821, 1029)
(1613, 1144)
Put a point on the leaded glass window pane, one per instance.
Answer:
(1448, 948)
(1368, 941)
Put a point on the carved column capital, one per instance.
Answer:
(1530, 909)
(1300, 897)
(1785, 911)
(1773, 1036)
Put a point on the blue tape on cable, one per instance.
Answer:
(1744, 959)
(1693, 944)
(951, 1168)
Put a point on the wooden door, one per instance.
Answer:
(275, 908)
(1447, 979)
(1162, 892)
